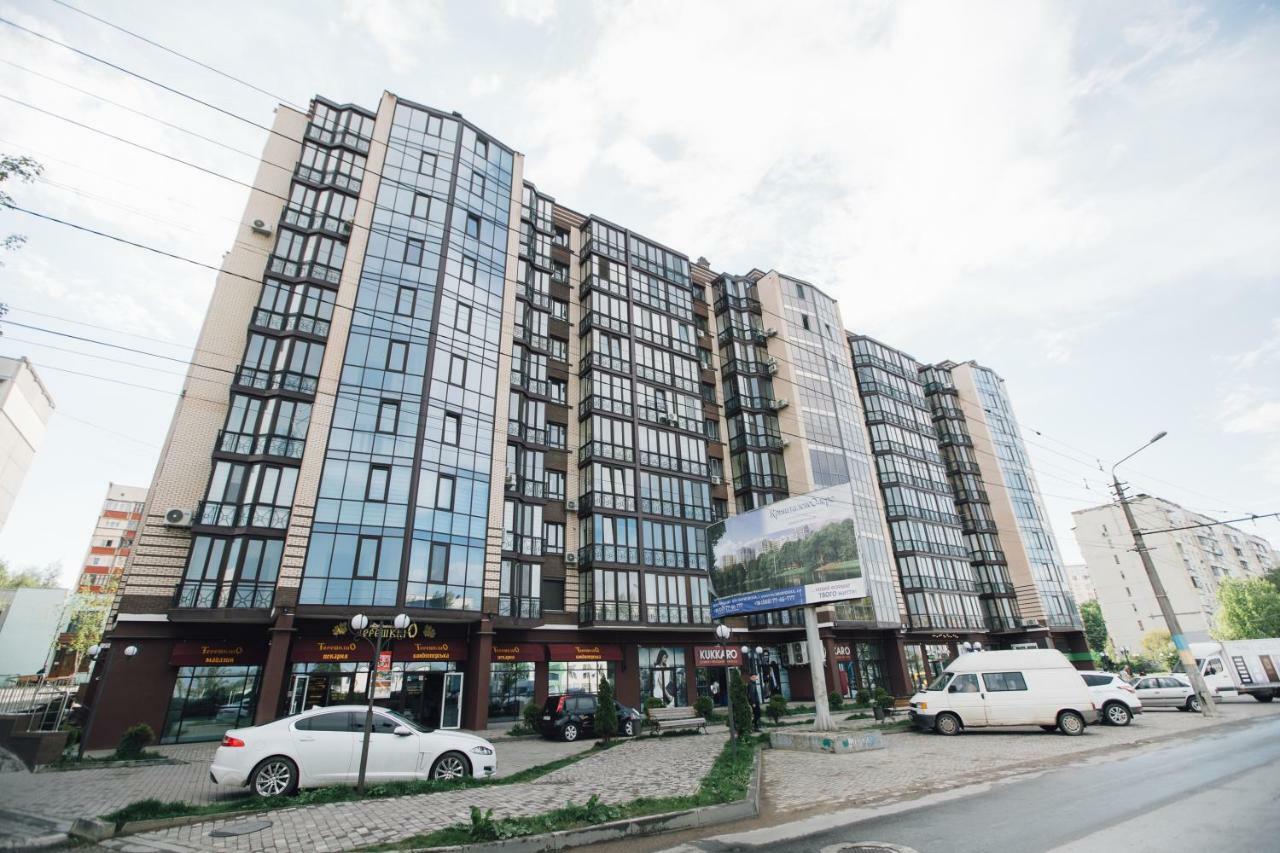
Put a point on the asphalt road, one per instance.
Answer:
(1220, 791)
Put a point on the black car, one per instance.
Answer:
(571, 716)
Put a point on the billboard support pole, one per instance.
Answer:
(817, 672)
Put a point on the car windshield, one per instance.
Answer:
(404, 721)
(941, 682)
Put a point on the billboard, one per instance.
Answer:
(802, 550)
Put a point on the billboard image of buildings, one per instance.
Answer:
(802, 550)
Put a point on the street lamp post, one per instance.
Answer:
(723, 633)
(1157, 586)
(359, 623)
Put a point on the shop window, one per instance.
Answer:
(208, 700)
(510, 689)
(578, 676)
(662, 676)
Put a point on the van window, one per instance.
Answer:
(965, 684)
(998, 682)
(1213, 667)
(940, 683)
(1096, 680)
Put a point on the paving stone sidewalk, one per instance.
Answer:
(643, 767)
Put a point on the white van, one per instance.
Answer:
(1240, 667)
(1030, 687)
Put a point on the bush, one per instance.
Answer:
(835, 701)
(651, 703)
(777, 707)
(531, 714)
(862, 699)
(883, 698)
(606, 712)
(704, 707)
(742, 717)
(134, 741)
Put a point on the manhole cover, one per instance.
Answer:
(243, 827)
(867, 847)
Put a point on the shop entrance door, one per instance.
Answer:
(433, 700)
(298, 696)
(451, 705)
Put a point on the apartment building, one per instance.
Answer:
(112, 540)
(1081, 582)
(1191, 564)
(25, 409)
(431, 388)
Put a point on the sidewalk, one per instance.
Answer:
(637, 768)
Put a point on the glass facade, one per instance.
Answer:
(663, 676)
(208, 700)
(579, 676)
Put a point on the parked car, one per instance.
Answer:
(1167, 691)
(573, 715)
(1115, 698)
(322, 747)
(1025, 687)
(1241, 667)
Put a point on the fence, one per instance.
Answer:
(45, 703)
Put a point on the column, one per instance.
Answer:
(895, 664)
(275, 674)
(475, 688)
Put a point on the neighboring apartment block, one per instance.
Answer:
(1081, 582)
(456, 398)
(112, 540)
(1191, 564)
(25, 409)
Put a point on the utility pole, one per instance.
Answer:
(817, 671)
(1189, 665)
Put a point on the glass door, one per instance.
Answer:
(451, 701)
(298, 698)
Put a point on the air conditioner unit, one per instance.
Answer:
(175, 517)
(778, 404)
(717, 480)
(798, 653)
(1030, 623)
(571, 559)
(347, 225)
(771, 365)
(704, 333)
(786, 443)
(571, 505)
(511, 481)
(770, 332)
(260, 227)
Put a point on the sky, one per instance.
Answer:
(1083, 196)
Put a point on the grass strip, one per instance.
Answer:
(726, 782)
(153, 809)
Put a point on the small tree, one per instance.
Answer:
(606, 712)
(1095, 627)
(835, 701)
(1158, 646)
(134, 740)
(1248, 609)
(862, 699)
(742, 718)
(704, 707)
(776, 708)
(531, 714)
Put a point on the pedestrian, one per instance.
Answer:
(715, 693)
(756, 698)
(1127, 673)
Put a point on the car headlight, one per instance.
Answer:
(482, 750)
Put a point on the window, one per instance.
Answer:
(477, 183)
(1097, 680)
(439, 564)
(376, 488)
(473, 225)
(404, 301)
(444, 493)
(367, 556)
(339, 722)
(555, 485)
(462, 318)
(482, 148)
(1000, 682)
(457, 370)
(388, 416)
(413, 252)
(397, 356)
(553, 537)
(468, 269)
(804, 321)
(427, 163)
(559, 309)
(556, 435)
(553, 594)
(422, 206)
(452, 432)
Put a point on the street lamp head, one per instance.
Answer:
(95, 650)
(359, 622)
(1161, 434)
(722, 632)
(746, 650)
(130, 651)
(759, 650)
(401, 621)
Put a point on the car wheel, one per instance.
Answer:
(1071, 723)
(274, 777)
(629, 728)
(569, 732)
(1117, 714)
(947, 724)
(1048, 728)
(450, 766)
(1264, 697)
(1193, 704)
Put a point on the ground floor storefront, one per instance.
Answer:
(193, 681)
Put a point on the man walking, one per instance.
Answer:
(755, 697)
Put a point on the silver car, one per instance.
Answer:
(1167, 691)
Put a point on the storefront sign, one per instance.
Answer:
(430, 650)
(384, 662)
(717, 656)
(216, 653)
(330, 651)
(844, 651)
(569, 651)
(519, 652)
(388, 631)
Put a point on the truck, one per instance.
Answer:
(1240, 667)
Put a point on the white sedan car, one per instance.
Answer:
(322, 747)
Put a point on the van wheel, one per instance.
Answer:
(1071, 723)
(570, 731)
(947, 724)
(1264, 697)
(1117, 714)
(1193, 704)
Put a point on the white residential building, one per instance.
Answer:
(1191, 564)
(1081, 582)
(25, 409)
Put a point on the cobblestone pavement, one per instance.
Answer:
(913, 762)
(647, 766)
(66, 795)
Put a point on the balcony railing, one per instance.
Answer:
(281, 322)
(331, 178)
(938, 548)
(737, 303)
(937, 582)
(317, 220)
(676, 614)
(275, 380)
(589, 501)
(606, 362)
(735, 403)
(522, 431)
(908, 511)
(987, 556)
(947, 620)
(971, 496)
(268, 516)
(608, 554)
(520, 544)
(762, 482)
(885, 445)
(250, 444)
(995, 588)
(603, 450)
(755, 441)
(337, 136)
(979, 525)
(519, 607)
(609, 611)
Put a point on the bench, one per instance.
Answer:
(675, 719)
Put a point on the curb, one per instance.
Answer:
(631, 828)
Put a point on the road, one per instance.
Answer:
(1214, 792)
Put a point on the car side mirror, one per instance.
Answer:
(402, 731)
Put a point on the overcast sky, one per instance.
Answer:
(1083, 196)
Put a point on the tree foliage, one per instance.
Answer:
(606, 711)
(742, 717)
(29, 578)
(86, 624)
(1248, 609)
(1095, 627)
(1158, 647)
(25, 170)
(828, 553)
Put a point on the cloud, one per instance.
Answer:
(485, 84)
(536, 12)
(1249, 409)
(1265, 353)
(400, 28)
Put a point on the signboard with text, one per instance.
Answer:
(518, 652)
(583, 652)
(430, 650)
(717, 656)
(217, 653)
(802, 550)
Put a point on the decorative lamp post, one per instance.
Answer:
(359, 623)
(723, 633)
